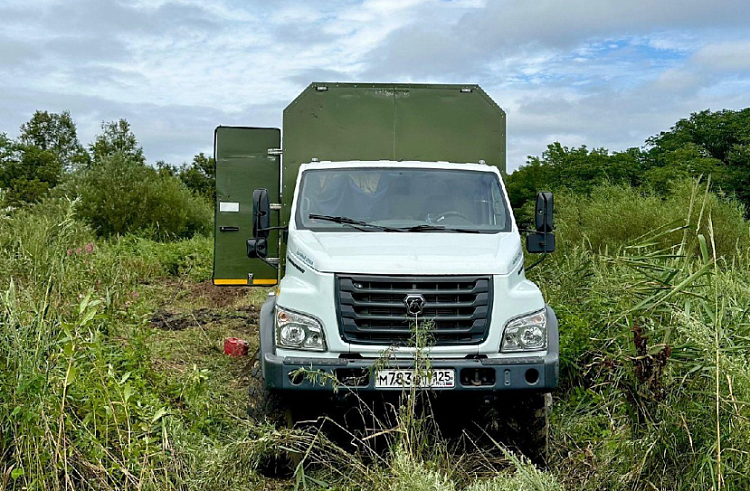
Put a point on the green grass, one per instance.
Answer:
(112, 374)
(654, 342)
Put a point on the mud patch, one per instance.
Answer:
(218, 295)
(179, 321)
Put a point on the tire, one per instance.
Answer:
(267, 407)
(523, 424)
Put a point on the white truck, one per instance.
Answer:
(385, 207)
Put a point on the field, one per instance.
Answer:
(112, 374)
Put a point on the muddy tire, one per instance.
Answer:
(523, 425)
(267, 407)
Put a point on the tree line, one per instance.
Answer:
(708, 143)
(116, 191)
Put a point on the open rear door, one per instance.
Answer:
(244, 163)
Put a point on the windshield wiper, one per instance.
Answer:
(369, 227)
(358, 224)
(427, 227)
(424, 226)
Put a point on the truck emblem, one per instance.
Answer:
(414, 304)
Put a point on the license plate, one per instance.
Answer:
(444, 378)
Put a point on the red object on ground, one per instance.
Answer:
(235, 347)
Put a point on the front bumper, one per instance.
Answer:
(533, 372)
(540, 373)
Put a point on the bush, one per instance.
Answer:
(120, 196)
(614, 215)
(191, 257)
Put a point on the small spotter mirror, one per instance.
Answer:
(543, 212)
(261, 214)
(543, 241)
(257, 248)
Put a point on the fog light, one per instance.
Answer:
(532, 376)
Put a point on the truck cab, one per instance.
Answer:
(435, 241)
(384, 227)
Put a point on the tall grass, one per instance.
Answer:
(615, 215)
(652, 296)
(78, 401)
(655, 337)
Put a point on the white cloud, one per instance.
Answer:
(729, 56)
(605, 73)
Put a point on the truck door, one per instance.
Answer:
(244, 163)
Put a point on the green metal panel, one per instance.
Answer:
(242, 165)
(454, 123)
(447, 124)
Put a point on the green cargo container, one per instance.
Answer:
(341, 122)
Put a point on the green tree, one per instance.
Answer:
(200, 176)
(27, 172)
(688, 161)
(717, 142)
(578, 169)
(707, 143)
(116, 137)
(166, 169)
(55, 133)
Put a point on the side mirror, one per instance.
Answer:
(543, 212)
(543, 241)
(257, 248)
(261, 214)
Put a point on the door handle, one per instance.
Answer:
(229, 229)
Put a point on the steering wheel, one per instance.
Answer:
(448, 214)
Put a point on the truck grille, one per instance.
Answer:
(372, 309)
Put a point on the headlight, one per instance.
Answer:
(298, 331)
(526, 333)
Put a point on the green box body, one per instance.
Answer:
(343, 122)
(453, 123)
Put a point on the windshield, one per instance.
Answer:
(428, 199)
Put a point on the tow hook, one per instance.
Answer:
(476, 380)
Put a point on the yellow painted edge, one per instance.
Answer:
(230, 282)
(265, 282)
(243, 282)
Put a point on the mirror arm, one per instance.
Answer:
(274, 266)
(538, 261)
(285, 227)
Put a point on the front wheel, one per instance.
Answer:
(268, 407)
(265, 405)
(523, 423)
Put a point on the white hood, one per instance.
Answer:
(422, 253)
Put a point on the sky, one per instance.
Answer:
(596, 72)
